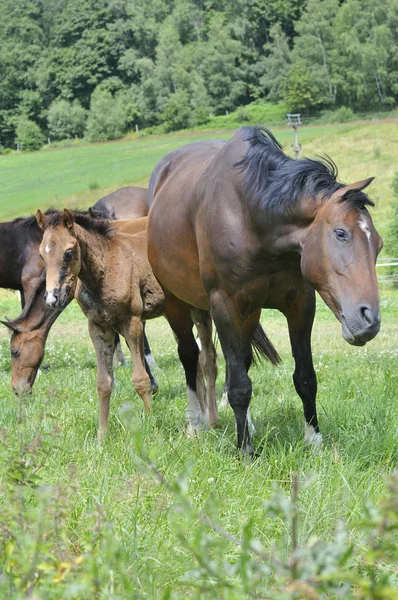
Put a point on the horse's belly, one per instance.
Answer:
(174, 259)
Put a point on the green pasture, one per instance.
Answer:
(79, 175)
(80, 520)
(148, 547)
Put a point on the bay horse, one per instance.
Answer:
(252, 229)
(115, 287)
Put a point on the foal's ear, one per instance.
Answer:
(9, 324)
(358, 186)
(68, 219)
(40, 219)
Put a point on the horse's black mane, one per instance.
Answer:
(85, 220)
(276, 181)
(97, 220)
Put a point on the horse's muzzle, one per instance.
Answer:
(22, 388)
(360, 325)
(57, 298)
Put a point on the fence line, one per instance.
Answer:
(388, 262)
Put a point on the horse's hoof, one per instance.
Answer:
(214, 424)
(195, 427)
(101, 435)
(154, 389)
(312, 437)
(246, 452)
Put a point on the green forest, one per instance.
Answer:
(98, 68)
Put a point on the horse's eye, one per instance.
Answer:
(341, 235)
(16, 352)
(68, 254)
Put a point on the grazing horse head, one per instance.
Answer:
(338, 258)
(60, 252)
(27, 352)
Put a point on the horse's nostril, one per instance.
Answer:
(368, 316)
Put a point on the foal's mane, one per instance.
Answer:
(100, 226)
(277, 182)
(77, 215)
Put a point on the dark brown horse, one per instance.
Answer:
(31, 328)
(256, 229)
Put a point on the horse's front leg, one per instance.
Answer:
(140, 378)
(235, 336)
(300, 318)
(104, 344)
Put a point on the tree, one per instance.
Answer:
(315, 46)
(66, 119)
(29, 135)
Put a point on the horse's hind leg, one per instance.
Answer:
(300, 318)
(178, 315)
(140, 378)
(207, 360)
(104, 344)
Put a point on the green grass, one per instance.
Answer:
(358, 415)
(79, 175)
(357, 405)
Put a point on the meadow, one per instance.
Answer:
(153, 514)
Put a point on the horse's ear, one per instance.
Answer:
(358, 186)
(91, 213)
(9, 324)
(40, 219)
(68, 219)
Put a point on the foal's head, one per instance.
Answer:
(339, 253)
(27, 352)
(61, 254)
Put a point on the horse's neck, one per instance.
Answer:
(94, 250)
(287, 231)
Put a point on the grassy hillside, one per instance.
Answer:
(79, 175)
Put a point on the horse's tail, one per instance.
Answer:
(263, 347)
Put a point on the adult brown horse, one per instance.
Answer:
(252, 229)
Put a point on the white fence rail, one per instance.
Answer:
(388, 262)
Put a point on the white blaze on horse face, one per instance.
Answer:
(364, 226)
(312, 437)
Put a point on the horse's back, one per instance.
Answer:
(126, 203)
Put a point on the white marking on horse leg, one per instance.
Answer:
(152, 364)
(312, 437)
(224, 400)
(194, 415)
(250, 424)
(199, 343)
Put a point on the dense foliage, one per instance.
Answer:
(179, 61)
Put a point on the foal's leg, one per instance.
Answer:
(208, 360)
(104, 344)
(235, 336)
(140, 378)
(300, 318)
(178, 315)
